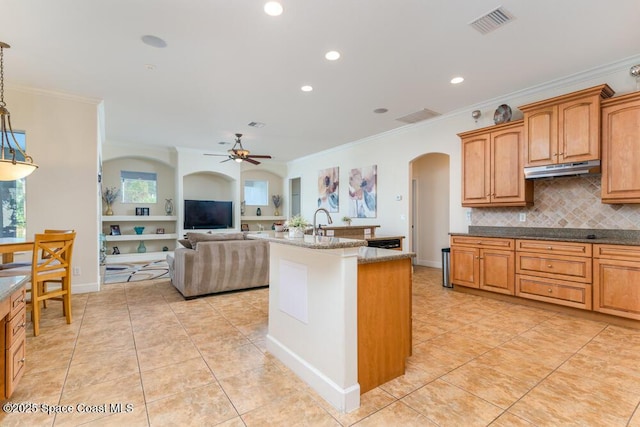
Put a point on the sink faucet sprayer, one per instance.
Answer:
(315, 214)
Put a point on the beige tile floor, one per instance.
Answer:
(476, 361)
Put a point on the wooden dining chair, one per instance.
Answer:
(51, 261)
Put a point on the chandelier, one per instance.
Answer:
(10, 167)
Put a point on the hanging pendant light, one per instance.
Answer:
(10, 168)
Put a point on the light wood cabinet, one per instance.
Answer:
(14, 334)
(492, 162)
(621, 149)
(565, 128)
(384, 321)
(555, 271)
(483, 263)
(616, 281)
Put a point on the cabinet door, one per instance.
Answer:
(475, 170)
(497, 271)
(579, 130)
(507, 176)
(616, 287)
(465, 266)
(541, 136)
(621, 152)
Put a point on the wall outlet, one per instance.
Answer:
(522, 217)
(76, 271)
(469, 216)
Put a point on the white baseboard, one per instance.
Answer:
(83, 288)
(426, 263)
(345, 400)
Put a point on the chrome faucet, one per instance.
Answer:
(315, 214)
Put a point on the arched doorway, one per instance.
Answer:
(430, 208)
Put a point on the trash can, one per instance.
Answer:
(446, 255)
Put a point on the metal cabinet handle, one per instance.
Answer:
(549, 248)
(550, 290)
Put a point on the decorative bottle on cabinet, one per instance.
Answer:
(258, 212)
(142, 248)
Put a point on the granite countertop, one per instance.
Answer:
(368, 255)
(10, 284)
(581, 235)
(308, 241)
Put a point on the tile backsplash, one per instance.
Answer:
(564, 203)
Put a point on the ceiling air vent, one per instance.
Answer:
(418, 116)
(256, 124)
(492, 20)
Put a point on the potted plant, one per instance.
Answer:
(347, 220)
(109, 195)
(297, 226)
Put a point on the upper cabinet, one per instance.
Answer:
(565, 128)
(492, 173)
(621, 149)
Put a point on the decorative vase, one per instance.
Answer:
(276, 212)
(258, 212)
(138, 230)
(168, 206)
(296, 233)
(141, 247)
(109, 210)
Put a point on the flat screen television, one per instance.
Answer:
(205, 214)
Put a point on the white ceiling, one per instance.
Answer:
(227, 63)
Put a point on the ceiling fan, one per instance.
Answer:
(239, 154)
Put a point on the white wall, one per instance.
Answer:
(62, 135)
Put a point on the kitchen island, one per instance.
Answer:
(339, 313)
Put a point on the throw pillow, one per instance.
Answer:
(186, 243)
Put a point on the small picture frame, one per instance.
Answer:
(244, 227)
(116, 251)
(115, 230)
(145, 211)
(159, 230)
(138, 211)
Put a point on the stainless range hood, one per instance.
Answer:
(564, 169)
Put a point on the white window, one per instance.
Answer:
(256, 193)
(12, 193)
(139, 187)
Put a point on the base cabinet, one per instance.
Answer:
(13, 330)
(616, 281)
(554, 271)
(483, 263)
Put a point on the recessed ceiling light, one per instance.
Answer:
(457, 80)
(306, 88)
(332, 55)
(150, 67)
(273, 8)
(153, 41)
(380, 110)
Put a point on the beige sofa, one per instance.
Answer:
(212, 263)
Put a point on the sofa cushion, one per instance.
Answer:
(194, 238)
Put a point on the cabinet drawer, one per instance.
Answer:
(555, 247)
(627, 253)
(484, 242)
(555, 291)
(18, 301)
(14, 366)
(575, 269)
(15, 328)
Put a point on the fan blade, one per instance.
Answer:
(226, 160)
(255, 162)
(210, 154)
(258, 156)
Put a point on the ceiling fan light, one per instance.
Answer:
(238, 159)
